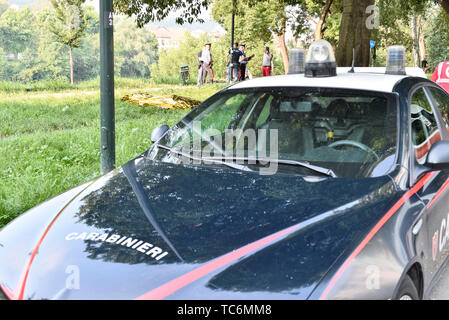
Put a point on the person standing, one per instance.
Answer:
(206, 58)
(267, 62)
(424, 64)
(441, 75)
(232, 60)
(243, 62)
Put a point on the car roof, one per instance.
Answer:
(369, 79)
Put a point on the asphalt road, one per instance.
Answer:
(441, 290)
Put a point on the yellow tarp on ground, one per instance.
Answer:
(165, 102)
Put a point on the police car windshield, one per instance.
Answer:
(351, 132)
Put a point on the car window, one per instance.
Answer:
(424, 126)
(442, 102)
(265, 113)
(352, 132)
(214, 121)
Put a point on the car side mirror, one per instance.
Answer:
(159, 132)
(438, 157)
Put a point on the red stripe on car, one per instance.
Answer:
(23, 279)
(374, 231)
(170, 287)
(440, 192)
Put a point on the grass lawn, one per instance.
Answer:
(50, 136)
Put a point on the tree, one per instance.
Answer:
(415, 39)
(444, 4)
(145, 11)
(44, 58)
(354, 34)
(170, 61)
(422, 44)
(136, 50)
(68, 25)
(322, 20)
(86, 58)
(15, 30)
(3, 6)
(316, 12)
(264, 20)
(437, 42)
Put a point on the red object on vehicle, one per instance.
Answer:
(441, 75)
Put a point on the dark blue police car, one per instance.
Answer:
(327, 183)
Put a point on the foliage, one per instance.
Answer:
(145, 11)
(168, 67)
(43, 58)
(170, 61)
(437, 42)
(136, 50)
(69, 22)
(3, 6)
(15, 30)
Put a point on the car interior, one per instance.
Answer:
(306, 126)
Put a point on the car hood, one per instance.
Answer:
(157, 230)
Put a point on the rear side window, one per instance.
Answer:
(424, 126)
(442, 102)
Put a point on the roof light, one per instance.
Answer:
(396, 60)
(296, 64)
(321, 60)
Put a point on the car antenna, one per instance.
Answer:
(353, 59)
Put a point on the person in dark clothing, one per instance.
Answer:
(243, 62)
(233, 61)
(424, 64)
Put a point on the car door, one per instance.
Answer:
(427, 128)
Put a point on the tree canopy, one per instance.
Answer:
(145, 11)
(15, 30)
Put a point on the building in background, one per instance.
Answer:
(171, 37)
(168, 37)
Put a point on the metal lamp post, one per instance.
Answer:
(232, 23)
(107, 86)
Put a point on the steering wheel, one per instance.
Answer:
(354, 144)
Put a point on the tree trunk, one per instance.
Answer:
(323, 17)
(422, 44)
(445, 5)
(281, 41)
(71, 67)
(415, 41)
(354, 33)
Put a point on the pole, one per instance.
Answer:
(232, 24)
(107, 87)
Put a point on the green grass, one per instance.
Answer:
(50, 137)
(64, 84)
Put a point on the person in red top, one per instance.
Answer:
(441, 75)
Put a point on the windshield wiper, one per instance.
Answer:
(213, 160)
(325, 171)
